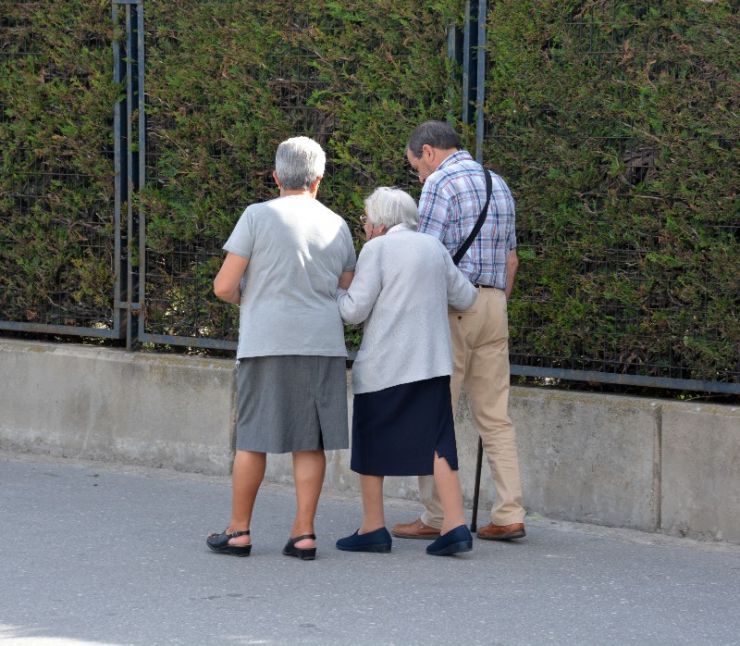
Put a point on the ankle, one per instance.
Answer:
(302, 529)
(238, 526)
(239, 541)
(448, 527)
(366, 528)
(305, 543)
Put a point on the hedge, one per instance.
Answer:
(613, 122)
(228, 80)
(56, 173)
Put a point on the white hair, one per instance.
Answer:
(391, 206)
(298, 162)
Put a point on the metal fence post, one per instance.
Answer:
(141, 166)
(480, 87)
(129, 166)
(120, 155)
(474, 70)
(470, 41)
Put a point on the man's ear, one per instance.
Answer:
(275, 177)
(314, 187)
(427, 151)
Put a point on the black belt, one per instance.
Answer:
(483, 286)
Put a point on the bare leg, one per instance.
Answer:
(246, 478)
(308, 474)
(450, 494)
(372, 503)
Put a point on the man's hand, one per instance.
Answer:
(512, 264)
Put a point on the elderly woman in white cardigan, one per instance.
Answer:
(403, 421)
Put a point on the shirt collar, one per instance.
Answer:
(455, 157)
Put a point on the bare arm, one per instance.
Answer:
(345, 280)
(226, 283)
(512, 264)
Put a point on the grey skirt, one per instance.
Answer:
(291, 403)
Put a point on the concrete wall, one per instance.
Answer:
(589, 457)
(647, 464)
(700, 484)
(86, 402)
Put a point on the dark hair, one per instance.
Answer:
(437, 134)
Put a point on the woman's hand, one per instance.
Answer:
(226, 283)
(345, 280)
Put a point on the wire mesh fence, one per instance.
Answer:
(220, 96)
(622, 273)
(611, 122)
(56, 197)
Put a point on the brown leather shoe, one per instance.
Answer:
(493, 532)
(417, 529)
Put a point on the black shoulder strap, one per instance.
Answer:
(481, 219)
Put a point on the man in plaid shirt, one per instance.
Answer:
(452, 198)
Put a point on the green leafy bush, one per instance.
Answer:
(228, 80)
(56, 171)
(614, 124)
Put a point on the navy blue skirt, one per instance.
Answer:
(397, 430)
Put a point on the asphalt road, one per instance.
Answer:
(95, 553)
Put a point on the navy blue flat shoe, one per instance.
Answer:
(376, 541)
(453, 542)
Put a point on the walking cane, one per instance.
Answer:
(456, 259)
(476, 493)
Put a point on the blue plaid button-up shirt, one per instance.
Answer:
(451, 201)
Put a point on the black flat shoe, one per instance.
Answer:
(453, 542)
(378, 540)
(303, 553)
(220, 543)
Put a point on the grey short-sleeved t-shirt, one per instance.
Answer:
(297, 249)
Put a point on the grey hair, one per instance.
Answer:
(298, 162)
(437, 134)
(391, 206)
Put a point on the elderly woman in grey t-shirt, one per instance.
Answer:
(402, 422)
(284, 262)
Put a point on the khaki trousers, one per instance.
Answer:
(480, 345)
